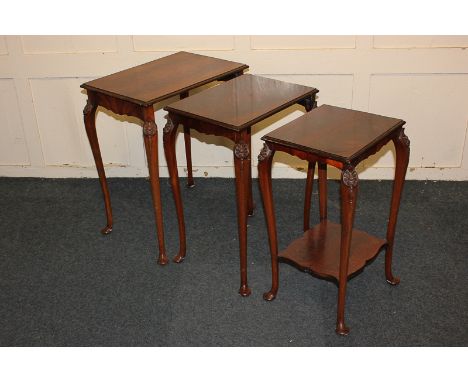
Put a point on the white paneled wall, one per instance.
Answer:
(421, 79)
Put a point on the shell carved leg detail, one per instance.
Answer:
(348, 191)
(241, 155)
(150, 135)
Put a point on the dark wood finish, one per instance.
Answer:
(332, 250)
(132, 92)
(150, 137)
(348, 190)
(169, 138)
(241, 163)
(322, 180)
(89, 114)
(338, 134)
(265, 160)
(229, 110)
(163, 78)
(308, 194)
(309, 104)
(241, 102)
(402, 147)
(188, 150)
(318, 250)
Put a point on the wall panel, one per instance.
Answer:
(437, 132)
(187, 43)
(422, 79)
(59, 104)
(302, 42)
(68, 44)
(13, 149)
(404, 42)
(3, 46)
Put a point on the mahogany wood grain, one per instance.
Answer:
(318, 250)
(242, 101)
(336, 133)
(241, 163)
(133, 92)
(163, 78)
(265, 160)
(402, 147)
(308, 195)
(89, 114)
(188, 149)
(150, 137)
(323, 193)
(341, 138)
(169, 138)
(348, 191)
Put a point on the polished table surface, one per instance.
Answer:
(229, 110)
(341, 138)
(335, 132)
(162, 78)
(134, 92)
(241, 102)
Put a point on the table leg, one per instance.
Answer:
(169, 137)
(349, 189)
(150, 134)
(308, 194)
(322, 181)
(188, 155)
(89, 114)
(250, 205)
(188, 149)
(402, 147)
(241, 155)
(265, 160)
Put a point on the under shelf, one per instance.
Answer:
(318, 250)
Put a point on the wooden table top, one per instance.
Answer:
(162, 78)
(241, 102)
(334, 132)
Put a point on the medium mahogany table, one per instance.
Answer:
(133, 92)
(341, 138)
(229, 110)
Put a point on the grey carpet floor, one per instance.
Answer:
(64, 284)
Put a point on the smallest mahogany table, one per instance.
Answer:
(341, 138)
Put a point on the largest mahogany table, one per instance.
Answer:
(341, 138)
(133, 92)
(229, 110)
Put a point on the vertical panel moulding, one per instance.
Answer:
(61, 139)
(133, 132)
(13, 148)
(3, 46)
(437, 133)
(25, 102)
(362, 73)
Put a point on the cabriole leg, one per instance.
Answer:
(150, 134)
(323, 193)
(169, 137)
(89, 114)
(241, 155)
(348, 190)
(402, 147)
(308, 195)
(265, 160)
